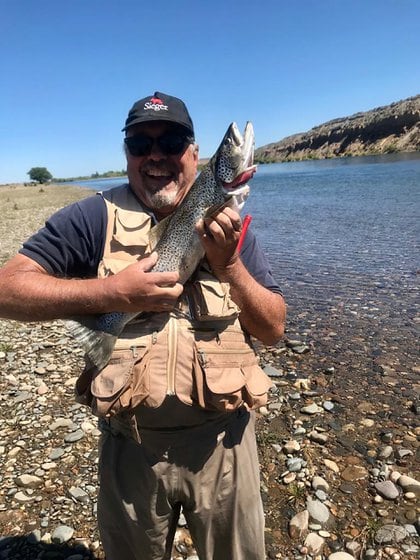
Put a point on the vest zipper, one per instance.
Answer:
(202, 354)
(172, 355)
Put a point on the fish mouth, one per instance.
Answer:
(241, 179)
(235, 165)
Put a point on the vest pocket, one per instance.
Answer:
(122, 384)
(225, 379)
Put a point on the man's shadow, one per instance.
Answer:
(28, 548)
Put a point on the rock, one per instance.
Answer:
(387, 490)
(341, 556)
(272, 371)
(354, 548)
(298, 526)
(389, 534)
(23, 498)
(294, 464)
(62, 534)
(319, 483)
(318, 437)
(28, 481)
(311, 409)
(79, 495)
(328, 406)
(74, 436)
(409, 484)
(318, 512)
(354, 472)
(291, 446)
(379, 129)
(332, 465)
(314, 543)
(289, 478)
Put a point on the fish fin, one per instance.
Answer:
(98, 345)
(157, 231)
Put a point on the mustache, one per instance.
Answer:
(157, 166)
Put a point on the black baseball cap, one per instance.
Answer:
(160, 107)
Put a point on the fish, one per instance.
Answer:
(221, 182)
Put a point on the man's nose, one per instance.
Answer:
(156, 153)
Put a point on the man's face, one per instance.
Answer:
(160, 181)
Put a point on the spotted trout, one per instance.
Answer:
(222, 182)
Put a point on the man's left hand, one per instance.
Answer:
(219, 235)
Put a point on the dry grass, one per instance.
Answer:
(24, 210)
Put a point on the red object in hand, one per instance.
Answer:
(245, 225)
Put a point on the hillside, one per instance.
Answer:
(392, 128)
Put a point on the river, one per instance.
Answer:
(342, 237)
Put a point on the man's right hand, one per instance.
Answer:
(30, 293)
(138, 288)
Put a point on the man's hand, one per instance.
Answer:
(138, 288)
(219, 235)
(30, 293)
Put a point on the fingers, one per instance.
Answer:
(162, 279)
(147, 263)
(224, 226)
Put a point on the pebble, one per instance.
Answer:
(353, 473)
(387, 490)
(319, 483)
(294, 464)
(318, 512)
(409, 484)
(332, 465)
(341, 556)
(23, 498)
(311, 409)
(72, 437)
(79, 495)
(314, 543)
(291, 446)
(298, 525)
(318, 437)
(62, 534)
(28, 481)
(390, 534)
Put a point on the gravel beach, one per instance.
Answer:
(338, 440)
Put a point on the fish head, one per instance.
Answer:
(234, 163)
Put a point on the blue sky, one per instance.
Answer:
(71, 70)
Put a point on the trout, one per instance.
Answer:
(222, 182)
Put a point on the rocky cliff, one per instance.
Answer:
(392, 128)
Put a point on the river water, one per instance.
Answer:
(342, 237)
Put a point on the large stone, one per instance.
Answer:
(28, 481)
(314, 543)
(318, 512)
(387, 490)
(390, 534)
(409, 484)
(298, 526)
(62, 534)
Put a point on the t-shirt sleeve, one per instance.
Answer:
(72, 241)
(256, 263)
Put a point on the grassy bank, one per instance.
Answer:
(25, 209)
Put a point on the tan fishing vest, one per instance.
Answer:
(197, 352)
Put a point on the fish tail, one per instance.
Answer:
(98, 345)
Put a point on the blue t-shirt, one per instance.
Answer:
(71, 244)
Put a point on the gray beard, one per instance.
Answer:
(160, 199)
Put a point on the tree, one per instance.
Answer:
(39, 174)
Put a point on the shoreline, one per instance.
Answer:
(337, 425)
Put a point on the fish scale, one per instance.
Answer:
(175, 239)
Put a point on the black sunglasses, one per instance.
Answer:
(170, 144)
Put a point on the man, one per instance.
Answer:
(175, 398)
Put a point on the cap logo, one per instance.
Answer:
(155, 104)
